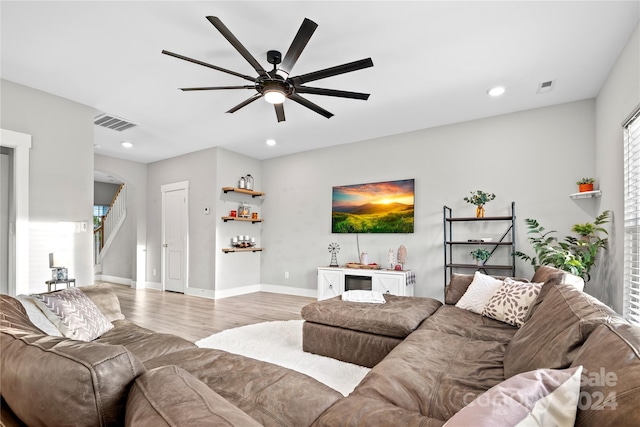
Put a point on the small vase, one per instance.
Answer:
(480, 211)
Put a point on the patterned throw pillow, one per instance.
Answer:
(511, 303)
(74, 314)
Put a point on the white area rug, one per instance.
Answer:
(281, 343)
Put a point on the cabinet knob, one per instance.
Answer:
(387, 292)
(165, 245)
(330, 286)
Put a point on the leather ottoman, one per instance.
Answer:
(362, 333)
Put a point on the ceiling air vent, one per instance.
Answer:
(112, 122)
(546, 86)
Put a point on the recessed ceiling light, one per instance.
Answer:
(496, 91)
(271, 142)
(126, 144)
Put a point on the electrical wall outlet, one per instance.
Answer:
(154, 271)
(286, 274)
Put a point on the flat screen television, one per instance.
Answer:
(377, 207)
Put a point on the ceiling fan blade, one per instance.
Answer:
(279, 112)
(298, 44)
(333, 71)
(195, 61)
(186, 89)
(310, 105)
(332, 92)
(245, 103)
(236, 43)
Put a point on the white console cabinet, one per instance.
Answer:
(332, 281)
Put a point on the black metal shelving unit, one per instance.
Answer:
(508, 240)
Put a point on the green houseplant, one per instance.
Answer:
(481, 255)
(479, 198)
(576, 255)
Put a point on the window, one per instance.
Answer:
(632, 217)
(98, 212)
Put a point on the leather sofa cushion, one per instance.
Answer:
(170, 396)
(107, 301)
(143, 343)
(270, 394)
(610, 392)
(398, 317)
(14, 315)
(364, 411)
(457, 321)
(57, 381)
(434, 374)
(556, 330)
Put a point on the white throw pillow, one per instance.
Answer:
(37, 317)
(479, 292)
(572, 279)
(74, 314)
(544, 397)
(512, 301)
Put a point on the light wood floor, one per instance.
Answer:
(194, 318)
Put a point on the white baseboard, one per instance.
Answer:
(234, 292)
(113, 279)
(226, 293)
(288, 290)
(198, 292)
(153, 285)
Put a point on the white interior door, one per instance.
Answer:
(175, 239)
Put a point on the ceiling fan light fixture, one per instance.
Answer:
(274, 96)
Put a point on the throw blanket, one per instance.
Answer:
(372, 297)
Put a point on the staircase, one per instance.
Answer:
(104, 235)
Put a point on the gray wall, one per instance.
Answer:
(199, 169)
(619, 95)
(533, 158)
(61, 178)
(103, 193)
(127, 256)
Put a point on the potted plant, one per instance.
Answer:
(481, 255)
(479, 198)
(576, 255)
(585, 184)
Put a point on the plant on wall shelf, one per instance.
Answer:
(586, 181)
(479, 198)
(585, 184)
(481, 255)
(576, 255)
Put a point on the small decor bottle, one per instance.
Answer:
(249, 180)
(242, 183)
(364, 258)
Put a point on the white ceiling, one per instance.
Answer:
(434, 62)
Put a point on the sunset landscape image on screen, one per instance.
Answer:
(380, 207)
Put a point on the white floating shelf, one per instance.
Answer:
(586, 194)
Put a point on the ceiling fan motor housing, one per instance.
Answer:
(274, 57)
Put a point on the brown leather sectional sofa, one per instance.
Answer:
(132, 376)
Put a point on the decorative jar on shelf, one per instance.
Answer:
(244, 211)
(249, 182)
(480, 211)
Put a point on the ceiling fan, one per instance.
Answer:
(276, 85)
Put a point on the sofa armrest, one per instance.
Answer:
(107, 301)
(170, 396)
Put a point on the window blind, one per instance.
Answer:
(632, 217)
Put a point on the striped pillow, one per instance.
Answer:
(74, 314)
